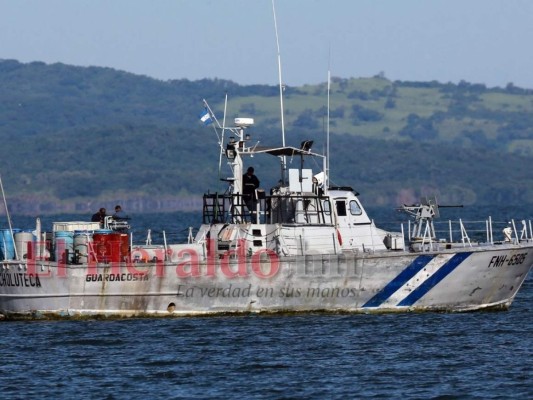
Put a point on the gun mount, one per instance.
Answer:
(423, 230)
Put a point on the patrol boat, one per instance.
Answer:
(302, 247)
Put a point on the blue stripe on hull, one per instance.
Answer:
(433, 280)
(411, 270)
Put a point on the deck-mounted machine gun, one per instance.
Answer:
(117, 225)
(422, 234)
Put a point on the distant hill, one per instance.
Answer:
(75, 138)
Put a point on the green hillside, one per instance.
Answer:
(75, 138)
(464, 114)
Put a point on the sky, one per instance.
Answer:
(479, 41)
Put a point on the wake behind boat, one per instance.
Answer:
(301, 246)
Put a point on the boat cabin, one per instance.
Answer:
(301, 215)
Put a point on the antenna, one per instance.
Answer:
(284, 164)
(222, 141)
(326, 178)
(8, 217)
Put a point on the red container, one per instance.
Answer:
(111, 247)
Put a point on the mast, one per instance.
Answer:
(222, 140)
(326, 177)
(284, 160)
(8, 217)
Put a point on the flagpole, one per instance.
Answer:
(213, 117)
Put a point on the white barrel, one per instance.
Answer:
(82, 246)
(23, 241)
(63, 246)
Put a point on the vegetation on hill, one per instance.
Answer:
(74, 138)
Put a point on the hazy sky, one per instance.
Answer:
(480, 41)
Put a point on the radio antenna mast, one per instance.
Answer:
(284, 163)
(326, 177)
(8, 217)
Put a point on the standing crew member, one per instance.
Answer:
(249, 184)
(99, 217)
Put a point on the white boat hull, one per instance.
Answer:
(450, 280)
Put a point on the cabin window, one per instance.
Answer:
(341, 208)
(355, 208)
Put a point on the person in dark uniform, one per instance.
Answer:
(119, 214)
(99, 216)
(249, 184)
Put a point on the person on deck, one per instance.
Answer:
(119, 214)
(249, 184)
(99, 217)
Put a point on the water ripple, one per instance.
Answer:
(412, 356)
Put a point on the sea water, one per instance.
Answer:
(480, 355)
